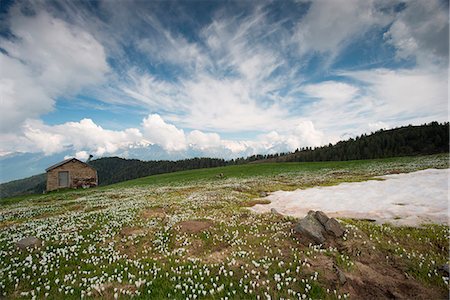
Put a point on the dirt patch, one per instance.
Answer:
(370, 282)
(194, 226)
(94, 208)
(251, 203)
(154, 212)
(5, 224)
(117, 196)
(75, 207)
(126, 231)
(216, 256)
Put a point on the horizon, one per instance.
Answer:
(175, 80)
(246, 158)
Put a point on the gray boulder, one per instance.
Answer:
(311, 228)
(334, 227)
(321, 217)
(263, 194)
(318, 227)
(28, 242)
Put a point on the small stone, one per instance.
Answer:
(311, 228)
(445, 268)
(341, 276)
(275, 212)
(334, 227)
(263, 194)
(30, 241)
(321, 217)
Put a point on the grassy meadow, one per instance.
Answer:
(190, 235)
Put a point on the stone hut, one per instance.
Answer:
(71, 173)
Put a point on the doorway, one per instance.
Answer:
(63, 179)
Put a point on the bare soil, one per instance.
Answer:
(194, 226)
(154, 212)
(254, 202)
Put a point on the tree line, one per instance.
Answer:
(115, 169)
(409, 140)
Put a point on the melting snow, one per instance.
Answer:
(401, 199)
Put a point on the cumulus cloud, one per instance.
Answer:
(85, 137)
(51, 58)
(78, 136)
(202, 141)
(157, 131)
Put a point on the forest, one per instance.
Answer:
(409, 140)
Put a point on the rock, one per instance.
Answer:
(311, 228)
(341, 276)
(27, 242)
(334, 227)
(263, 194)
(321, 217)
(275, 212)
(445, 268)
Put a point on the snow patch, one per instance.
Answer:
(401, 199)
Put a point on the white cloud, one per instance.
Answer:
(156, 131)
(304, 134)
(329, 26)
(165, 47)
(79, 136)
(82, 155)
(86, 137)
(17, 102)
(50, 58)
(152, 92)
(378, 97)
(226, 105)
(405, 95)
(378, 125)
(332, 92)
(202, 141)
(421, 31)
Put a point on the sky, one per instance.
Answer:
(180, 79)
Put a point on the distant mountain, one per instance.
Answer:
(32, 185)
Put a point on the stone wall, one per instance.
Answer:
(80, 175)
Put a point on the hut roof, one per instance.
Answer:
(65, 162)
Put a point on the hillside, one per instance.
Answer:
(112, 170)
(403, 141)
(30, 185)
(190, 234)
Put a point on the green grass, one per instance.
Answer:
(254, 170)
(258, 169)
(103, 235)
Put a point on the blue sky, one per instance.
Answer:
(177, 79)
